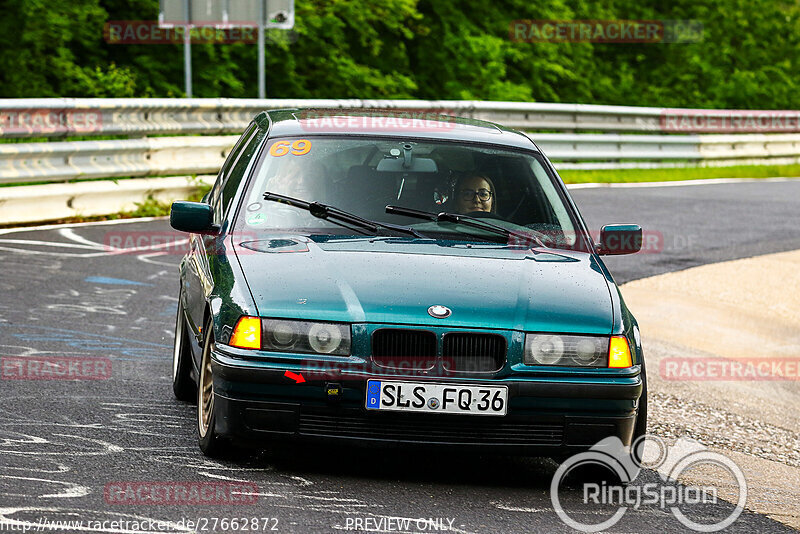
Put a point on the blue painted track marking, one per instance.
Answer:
(115, 281)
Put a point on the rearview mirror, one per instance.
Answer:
(192, 217)
(399, 165)
(618, 239)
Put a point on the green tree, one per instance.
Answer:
(429, 49)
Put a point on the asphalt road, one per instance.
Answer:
(692, 225)
(62, 443)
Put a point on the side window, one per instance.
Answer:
(554, 200)
(213, 197)
(241, 169)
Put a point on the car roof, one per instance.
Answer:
(425, 124)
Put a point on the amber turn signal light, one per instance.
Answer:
(619, 353)
(247, 334)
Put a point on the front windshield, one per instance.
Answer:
(363, 175)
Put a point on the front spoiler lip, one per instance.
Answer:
(256, 422)
(580, 386)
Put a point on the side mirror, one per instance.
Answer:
(618, 239)
(192, 217)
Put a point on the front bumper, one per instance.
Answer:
(547, 415)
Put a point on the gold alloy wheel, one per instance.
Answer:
(205, 402)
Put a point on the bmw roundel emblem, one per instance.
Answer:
(439, 312)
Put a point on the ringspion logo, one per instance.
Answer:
(624, 463)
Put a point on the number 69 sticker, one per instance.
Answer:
(301, 147)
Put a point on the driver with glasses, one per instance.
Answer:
(475, 192)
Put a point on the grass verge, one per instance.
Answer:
(574, 176)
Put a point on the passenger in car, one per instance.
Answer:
(475, 192)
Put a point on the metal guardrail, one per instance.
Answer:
(605, 147)
(35, 203)
(169, 156)
(631, 137)
(197, 154)
(609, 151)
(157, 156)
(65, 117)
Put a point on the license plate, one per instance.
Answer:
(436, 398)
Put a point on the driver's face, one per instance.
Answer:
(469, 188)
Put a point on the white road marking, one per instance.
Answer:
(80, 225)
(509, 508)
(58, 244)
(71, 235)
(71, 490)
(146, 258)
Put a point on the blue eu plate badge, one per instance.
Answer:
(374, 394)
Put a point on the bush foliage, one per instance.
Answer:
(429, 49)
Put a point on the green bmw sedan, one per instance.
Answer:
(380, 278)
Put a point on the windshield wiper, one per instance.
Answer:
(341, 217)
(466, 220)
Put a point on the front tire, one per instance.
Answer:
(183, 386)
(210, 443)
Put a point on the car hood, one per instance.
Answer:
(396, 280)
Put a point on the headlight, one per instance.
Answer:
(566, 350)
(305, 336)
